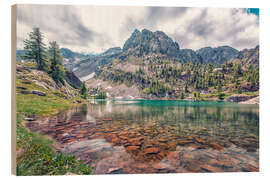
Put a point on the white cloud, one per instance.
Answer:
(94, 29)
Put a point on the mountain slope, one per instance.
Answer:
(72, 56)
(188, 55)
(218, 55)
(250, 57)
(148, 45)
(89, 66)
(155, 76)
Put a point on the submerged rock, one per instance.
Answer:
(132, 148)
(201, 141)
(215, 146)
(184, 142)
(172, 145)
(115, 171)
(152, 150)
(162, 166)
(208, 168)
(162, 140)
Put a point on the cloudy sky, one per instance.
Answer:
(93, 29)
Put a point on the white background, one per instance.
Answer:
(5, 85)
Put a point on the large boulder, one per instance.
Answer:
(40, 93)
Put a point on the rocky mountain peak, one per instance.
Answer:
(147, 42)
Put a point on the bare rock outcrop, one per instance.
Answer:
(255, 100)
(238, 98)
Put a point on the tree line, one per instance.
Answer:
(164, 77)
(47, 59)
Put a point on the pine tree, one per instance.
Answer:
(56, 69)
(83, 90)
(196, 85)
(101, 95)
(238, 87)
(186, 88)
(35, 49)
(182, 96)
(219, 88)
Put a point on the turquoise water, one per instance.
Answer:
(156, 136)
(241, 119)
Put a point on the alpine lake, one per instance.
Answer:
(157, 136)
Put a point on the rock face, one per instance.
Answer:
(255, 100)
(250, 57)
(112, 51)
(148, 43)
(145, 42)
(72, 56)
(73, 80)
(217, 55)
(188, 55)
(238, 98)
(94, 63)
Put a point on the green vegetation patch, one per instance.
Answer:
(36, 154)
(39, 158)
(40, 105)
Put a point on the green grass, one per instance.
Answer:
(36, 153)
(39, 158)
(40, 105)
(212, 96)
(251, 93)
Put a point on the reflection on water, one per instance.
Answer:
(146, 136)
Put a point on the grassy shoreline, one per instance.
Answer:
(36, 154)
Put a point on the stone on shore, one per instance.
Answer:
(25, 92)
(40, 93)
(21, 87)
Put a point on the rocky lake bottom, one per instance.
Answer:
(143, 136)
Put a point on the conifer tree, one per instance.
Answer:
(182, 96)
(35, 48)
(219, 88)
(56, 68)
(83, 90)
(186, 88)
